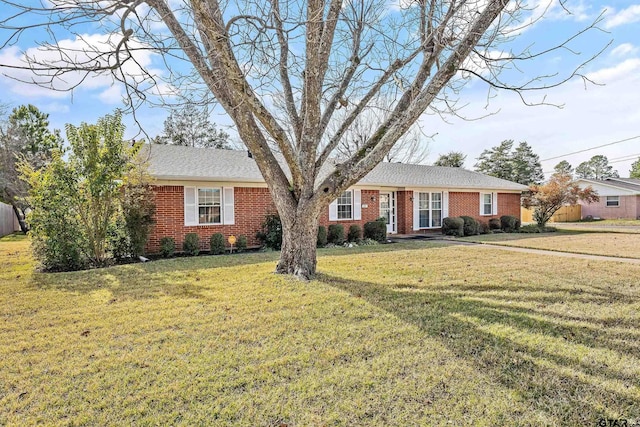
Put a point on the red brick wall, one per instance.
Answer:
(404, 208)
(251, 206)
(468, 203)
(370, 213)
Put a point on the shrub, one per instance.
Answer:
(494, 224)
(355, 233)
(470, 226)
(484, 228)
(270, 235)
(509, 223)
(216, 244)
(322, 237)
(167, 247)
(138, 210)
(376, 230)
(335, 234)
(453, 226)
(535, 228)
(191, 244)
(241, 243)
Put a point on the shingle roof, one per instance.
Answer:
(173, 162)
(626, 183)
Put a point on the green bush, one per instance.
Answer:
(494, 224)
(484, 228)
(216, 244)
(535, 228)
(270, 235)
(167, 247)
(335, 234)
(322, 237)
(138, 210)
(376, 230)
(453, 226)
(241, 243)
(509, 223)
(355, 233)
(470, 226)
(191, 244)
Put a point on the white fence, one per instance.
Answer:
(7, 220)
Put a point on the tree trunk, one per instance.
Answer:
(299, 238)
(21, 220)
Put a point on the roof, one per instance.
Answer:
(172, 162)
(632, 184)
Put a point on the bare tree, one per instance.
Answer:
(282, 68)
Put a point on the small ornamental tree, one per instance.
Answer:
(560, 190)
(77, 202)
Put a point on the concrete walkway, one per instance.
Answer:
(540, 251)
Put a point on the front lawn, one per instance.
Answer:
(591, 243)
(403, 334)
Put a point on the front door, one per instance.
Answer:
(388, 210)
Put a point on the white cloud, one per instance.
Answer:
(591, 117)
(624, 69)
(528, 14)
(625, 16)
(113, 95)
(624, 49)
(83, 48)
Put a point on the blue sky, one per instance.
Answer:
(592, 115)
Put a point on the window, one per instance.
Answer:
(487, 204)
(209, 206)
(429, 210)
(613, 201)
(345, 206)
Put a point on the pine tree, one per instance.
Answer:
(635, 169)
(564, 168)
(596, 168)
(521, 165)
(453, 159)
(190, 126)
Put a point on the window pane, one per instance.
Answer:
(423, 202)
(487, 198)
(344, 205)
(436, 200)
(424, 218)
(487, 209)
(436, 218)
(209, 215)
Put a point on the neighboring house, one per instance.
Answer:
(206, 191)
(619, 198)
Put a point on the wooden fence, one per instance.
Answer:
(565, 214)
(7, 219)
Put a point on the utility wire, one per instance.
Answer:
(592, 148)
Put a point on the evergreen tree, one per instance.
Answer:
(497, 161)
(453, 159)
(564, 168)
(190, 126)
(635, 169)
(596, 168)
(520, 165)
(526, 165)
(24, 137)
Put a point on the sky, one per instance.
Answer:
(601, 110)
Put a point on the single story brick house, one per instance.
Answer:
(619, 198)
(207, 191)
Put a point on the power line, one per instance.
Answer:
(592, 148)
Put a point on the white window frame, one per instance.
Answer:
(430, 209)
(350, 205)
(199, 205)
(483, 204)
(192, 205)
(615, 199)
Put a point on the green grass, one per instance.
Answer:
(403, 334)
(625, 245)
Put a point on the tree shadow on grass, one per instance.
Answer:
(577, 374)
